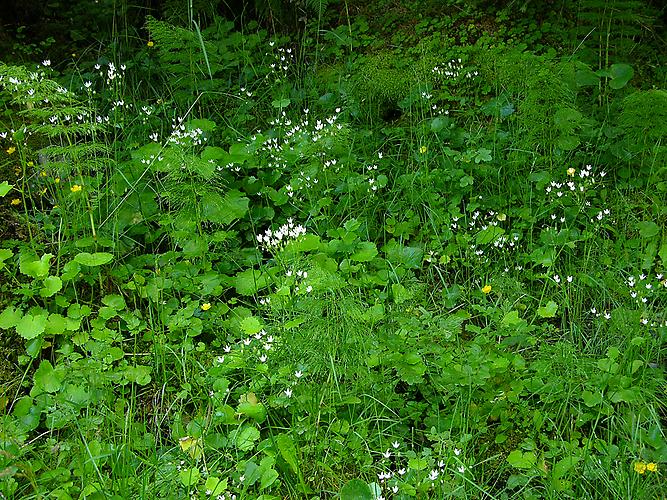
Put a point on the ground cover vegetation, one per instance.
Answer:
(334, 249)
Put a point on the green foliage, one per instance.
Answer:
(415, 265)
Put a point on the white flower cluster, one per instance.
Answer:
(449, 70)
(277, 239)
(182, 137)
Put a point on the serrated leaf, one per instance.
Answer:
(52, 285)
(250, 325)
(245, 437)
(511, 319)
(10, 317)
(224, 209)
(364, 252)
(32, 325)
(250, 281)
(93, 259)
(31, 266)
(548, 311)
(47, 378)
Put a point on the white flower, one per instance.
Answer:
(298, 374)
(288, 393)
(433, 475)
(462, 469)
(387, 454)
(395, 444)
(457, 452)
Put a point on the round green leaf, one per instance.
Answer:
(52, 285)
(648, 229)
(356, 489)
(31, 326)
(48, 378)
(93, 259)
(621, 74)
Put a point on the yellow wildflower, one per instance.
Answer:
(652, 467)
(640, 467)
(56, 180)
(31, 164)
(10, 150)
(486, 289)
(423, 149)
(43, 173)
(75, 188)
(205, 307)
(571, 171)
(150, 43)
(16, 201)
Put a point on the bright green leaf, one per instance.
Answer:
(47, 378)
(34, 267)
(5, 187)
(52, 285)
(356, 489)
(93, 259)
(548, 311)
(32, 325)
(189, 477)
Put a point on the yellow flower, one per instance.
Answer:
(31, 164)
(652, 467)
(571, 171)
(640, 467)
(16, 201)
(10, 150)
(150, 43)
(486, 289)
(56, 180)
(423, 149)
(43, 173)
(205, 307)
(75, 188)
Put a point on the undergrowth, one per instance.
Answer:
(242, 264)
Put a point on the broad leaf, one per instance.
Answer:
(93, 259)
